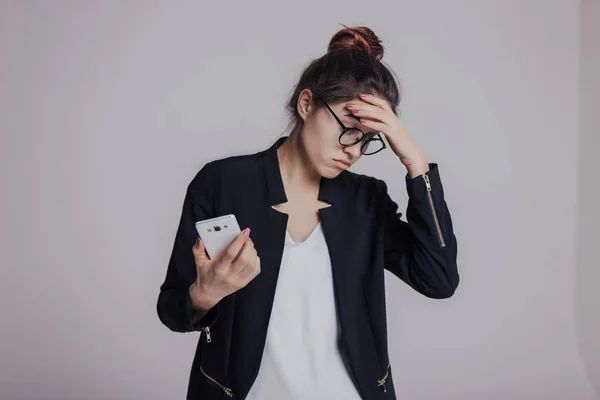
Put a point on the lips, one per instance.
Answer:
(346, 163)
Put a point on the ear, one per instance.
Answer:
(305, 103)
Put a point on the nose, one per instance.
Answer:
(353, 151)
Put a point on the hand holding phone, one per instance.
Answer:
(229, 266)
(218, 233)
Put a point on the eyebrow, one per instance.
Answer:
(352, 115)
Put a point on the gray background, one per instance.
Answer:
(108, 108)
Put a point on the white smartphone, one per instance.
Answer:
(218, 233)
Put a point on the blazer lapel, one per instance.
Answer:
(254, 303)
(341, 227)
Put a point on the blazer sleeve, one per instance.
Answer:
(174, 305)
(423, 251)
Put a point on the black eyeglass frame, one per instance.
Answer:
(365, 139)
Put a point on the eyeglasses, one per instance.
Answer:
(371, 144)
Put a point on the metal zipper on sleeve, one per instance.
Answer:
(435, 217)
(207, 331)
(381, 382)
(225, 389)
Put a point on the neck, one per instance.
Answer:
(296, 169)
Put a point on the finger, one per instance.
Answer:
(199, 251)
(231, 252)
(371, 113)
(365, 107)
(376, 126)
(377, 101)
(256, 269)
(246, 257)
(251, 269)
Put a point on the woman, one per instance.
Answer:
(295, 309)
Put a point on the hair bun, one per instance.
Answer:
(358, 38)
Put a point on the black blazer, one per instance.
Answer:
(364, 234)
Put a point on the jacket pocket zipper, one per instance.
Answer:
(381, 382)
(435, 217)
(225, 389)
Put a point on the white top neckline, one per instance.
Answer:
(308, 240)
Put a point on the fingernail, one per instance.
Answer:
(363, 95)
(197, 241)
(349, 105)
(246, 231)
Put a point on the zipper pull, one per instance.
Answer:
(381, 382)
(427, 182)
(208, 338)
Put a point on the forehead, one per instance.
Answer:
(348, 119)
(339, 108)
(339, 105)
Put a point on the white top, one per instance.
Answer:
(301, 359)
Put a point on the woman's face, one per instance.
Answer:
(320, 137)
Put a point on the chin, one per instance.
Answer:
(330, 172)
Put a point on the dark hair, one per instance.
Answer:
(351, 66)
